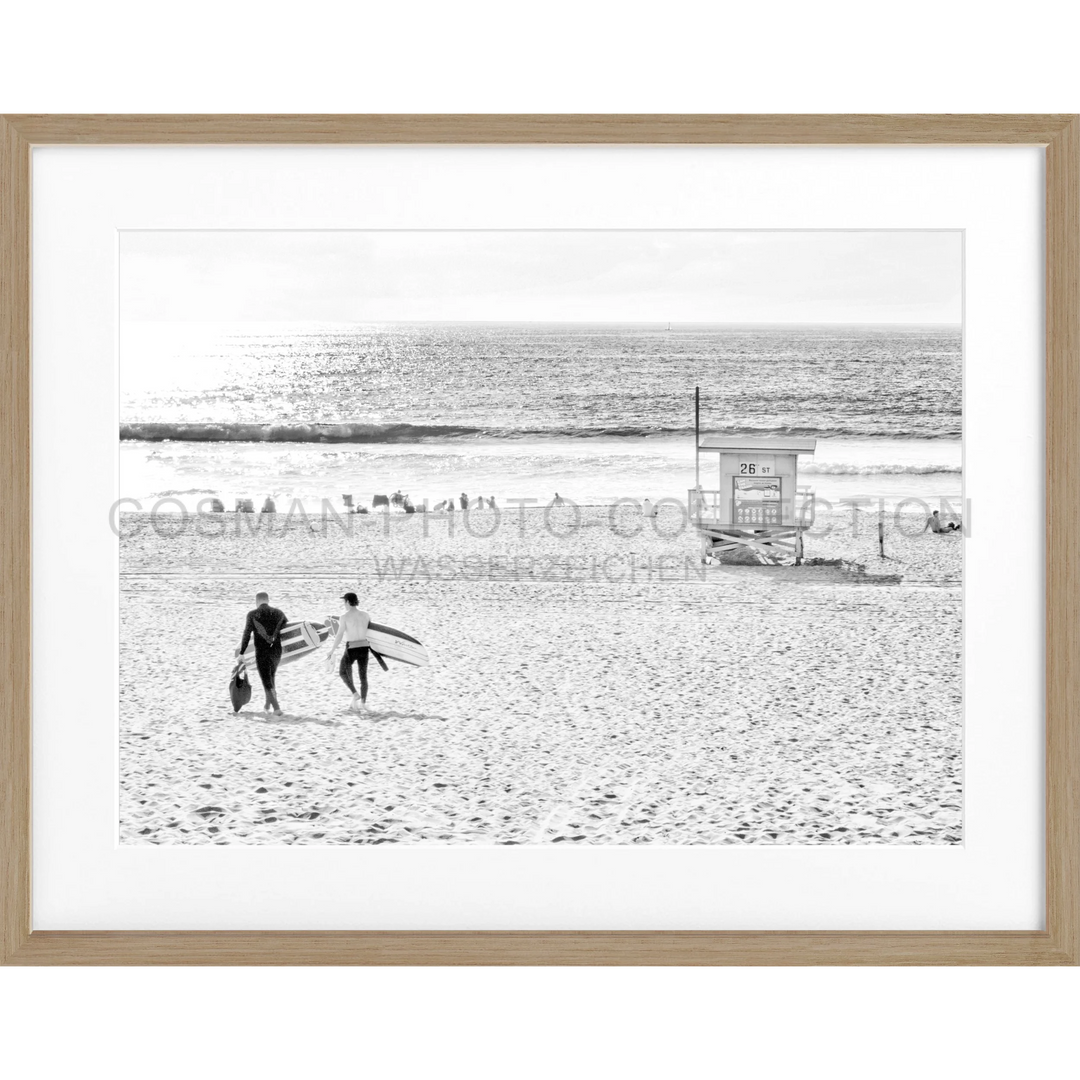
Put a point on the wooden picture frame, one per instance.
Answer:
(1059, 943)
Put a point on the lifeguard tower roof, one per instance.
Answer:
(784, 444)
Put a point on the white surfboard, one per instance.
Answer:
(388, 642)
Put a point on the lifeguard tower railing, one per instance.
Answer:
(717, 508)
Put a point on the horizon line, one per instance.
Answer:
(541, 322)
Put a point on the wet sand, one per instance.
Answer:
(588, 685)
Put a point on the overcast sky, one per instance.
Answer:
(548, 276)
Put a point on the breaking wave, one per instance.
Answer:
(407, 433)
(824, 468)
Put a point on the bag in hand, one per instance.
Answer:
(239, 687)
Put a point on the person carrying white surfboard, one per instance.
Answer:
(353, 627)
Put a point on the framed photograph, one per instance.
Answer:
(540, 539)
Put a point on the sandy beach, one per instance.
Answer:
(588, 685)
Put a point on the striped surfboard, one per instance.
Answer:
(297, 640)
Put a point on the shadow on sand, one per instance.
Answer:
(375, 716)
(378, 715)
(292, 719)
(831, 573)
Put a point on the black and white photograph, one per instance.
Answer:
(541, 537)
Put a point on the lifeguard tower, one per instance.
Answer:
(748, 500)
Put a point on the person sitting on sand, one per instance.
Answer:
(266, 623)
(353, 627)
(934, 524)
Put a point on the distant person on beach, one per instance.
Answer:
(353, 627)
(934, 524)
(557, 501)
(464, 501)
(491, 503)
(269, 507)
(266, 623)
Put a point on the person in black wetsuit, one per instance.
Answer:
(266, 623)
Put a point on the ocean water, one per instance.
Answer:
(523, 411)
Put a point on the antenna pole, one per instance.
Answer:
(697, 437)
